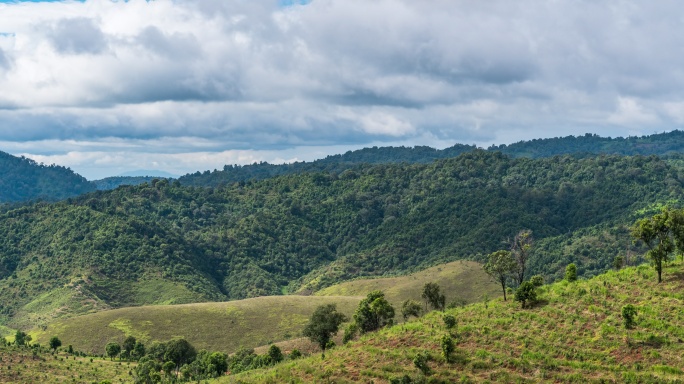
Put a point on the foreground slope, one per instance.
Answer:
(575, 333)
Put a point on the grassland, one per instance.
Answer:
(224, 326)
(574, 333)
(20, 365)
(460, 280)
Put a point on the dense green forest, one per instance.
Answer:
(24, 180)
(662, 144)
(116, 181)
(304, 232)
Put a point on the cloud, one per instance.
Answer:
(211, 76)
(78, 35)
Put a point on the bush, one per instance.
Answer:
(447, 347)
(295, 354)
(526, 293)
(537, 280)
(449, 321)
(629, 312)
(421, 362)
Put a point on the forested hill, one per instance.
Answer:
(657, 144)
(330, 164)
(134, 244)
(23, 179)
(578, 146)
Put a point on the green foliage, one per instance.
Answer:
(373, 313)
(23, 179)
(55, 343)
(275, 354)
(421, 362)
(521, 247)
(629, 313)
(433, 297)
(571, 273)
(537, 280)
(500, 266)
(447, 344)
(449, 321)
(350, 332)
(295, 354)
(323, 324)
(180, 351)
(662, 233)
(129, 344)
(21, 338)
(526, 294)
(410, 308)
(618, 262)
(311, 230)
(112, 350)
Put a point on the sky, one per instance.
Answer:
(105, 87)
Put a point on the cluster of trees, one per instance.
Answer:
(311, 230)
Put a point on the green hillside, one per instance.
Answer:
(254, 322)
(573, 334)
(23, 179)
(310, 231)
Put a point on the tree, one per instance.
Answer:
(373, 312)
(571, 272)
(180, 351)
(55, 343)
(128, 344)
(410, 308)
(520, 248)
(432, 296)
(275, 354)
(526, 293)
(655, 232)
(449, 321)
(323, 324)
(21, 338)
(500, 266)
(138, 351)
(112, 349)
(537, 280)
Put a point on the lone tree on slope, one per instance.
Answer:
(324, 323)
(432, 296)
(520, 248)
(500, 266)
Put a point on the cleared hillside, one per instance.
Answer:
(462, 280)
(574, 333)
(224, 326)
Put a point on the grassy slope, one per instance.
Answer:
(19, 365)
(224, 326)
(461, 280)
(574, 334)
(251, 323)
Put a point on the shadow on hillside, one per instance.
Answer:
(538, 304)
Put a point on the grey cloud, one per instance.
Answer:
(176, 46)
(78, 36)
(5, 62)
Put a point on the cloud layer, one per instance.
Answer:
(107, 86)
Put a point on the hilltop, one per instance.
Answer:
(23, 179)
(574, 333)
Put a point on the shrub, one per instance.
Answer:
(629, 312)
(537, 280)
(449, 321)
(421, 362)
(526, 293)
(447, 347)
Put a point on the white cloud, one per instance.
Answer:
(211, 76)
